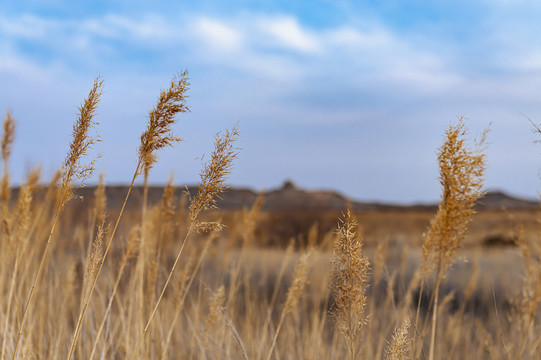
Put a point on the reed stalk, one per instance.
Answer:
(462, 172)
(72, 170)
(211, 186)
(157, 136)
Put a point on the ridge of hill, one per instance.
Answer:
(290, 197)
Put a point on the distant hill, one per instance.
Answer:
(291, 197)
(292, 212)
(498, 200)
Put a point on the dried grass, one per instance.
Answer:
(350, 270)
(270, 303)
(72, 170)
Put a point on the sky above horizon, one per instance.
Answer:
(343, 95)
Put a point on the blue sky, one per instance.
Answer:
(344, 95)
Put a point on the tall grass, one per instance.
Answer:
(461, 176)
(180, 278)
(350, 268)
(71, 170)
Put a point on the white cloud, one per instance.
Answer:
(261, 46)
(20, 67)
(287, 32)
(150, 27)
(531, 61)
(219, 35)
(26, 26)
(352, 38)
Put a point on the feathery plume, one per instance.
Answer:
(350, 268)
(462, 171)
(24, 202)
(296, 288)
(214, 173)
(159, 133)
(216, 311)
(72, 169)
(6, 144)
(82, 141)
(8, 136)
(397, 349)
(213, 178)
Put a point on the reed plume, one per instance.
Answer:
(8, 136)
(157, 135)
(350, 269)
(462, 172)
(73, 169)
(214, 173)
(216, 312)
(81, 143)
(211, 185)
(397, 349)
(461, 176)
(24, 206)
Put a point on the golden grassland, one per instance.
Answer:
(181, 279)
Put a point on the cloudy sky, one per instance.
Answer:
(352, 96)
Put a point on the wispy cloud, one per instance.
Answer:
(255, 42)
(287, 32)
(219, 35)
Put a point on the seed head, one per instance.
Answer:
(350, 268)
(215, 172)
(159, 133)
(462, 171)
(8, 136)
(82, 141)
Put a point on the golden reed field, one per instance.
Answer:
(207, 272)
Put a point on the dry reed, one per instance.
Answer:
(211, 186)
(8, 136)
(397, 349)
(157, 136)
(350, 269)
(72, 170)
(461, 176)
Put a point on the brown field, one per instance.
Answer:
(286, 274)
(250, 257)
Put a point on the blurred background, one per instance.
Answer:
(343, 95)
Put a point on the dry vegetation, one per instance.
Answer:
(168, 281)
